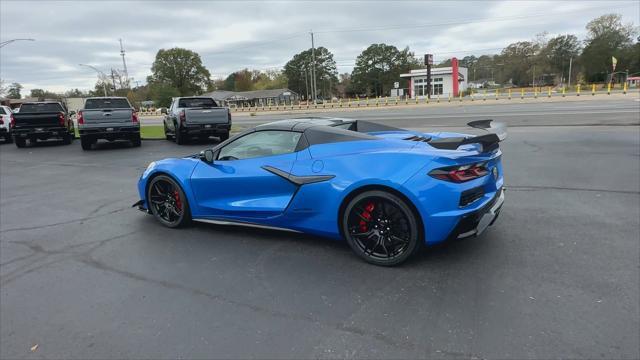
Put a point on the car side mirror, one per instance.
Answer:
(163, 111)
(207, 156)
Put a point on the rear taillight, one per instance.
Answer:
(134, 117)
(80, 118)
(459, 174)
(183, 117)
(12, 121)
(61, 118)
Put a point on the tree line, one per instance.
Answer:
(540, 61)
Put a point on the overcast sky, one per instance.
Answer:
(264, 35)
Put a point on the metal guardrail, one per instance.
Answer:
(486, 95)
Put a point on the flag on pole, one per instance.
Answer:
(614, 62)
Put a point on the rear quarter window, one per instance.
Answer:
(107, 104)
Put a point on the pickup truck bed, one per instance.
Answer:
(197, 117)
(110, 119)
(42, 121)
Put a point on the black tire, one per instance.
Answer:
(8, 139)
(224, 136)
(67, 139)
(86, 143)
(20, 143)
(166, 132)
(167, 202)
(381, 228)
(136, 141)
(181, 139)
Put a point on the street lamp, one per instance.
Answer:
(7, 42)
(101, 76)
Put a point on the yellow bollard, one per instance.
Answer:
(449, 97)
(497, 94)
(522, 93)
(377, 101)
(396, 100)
(484, 97)
(609, 88)
(460, 95)
(548, 91)
(593, 89)
(624, 88)
(438, 98)
(563, 91)
(417, 100)
(386, 101)
(578, 90)
(509, 93)
(367, 101)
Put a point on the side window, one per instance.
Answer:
(259, 144)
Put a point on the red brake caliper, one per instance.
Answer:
(176, 195)
(367, 215)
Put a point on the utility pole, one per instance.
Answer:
(314, 92)
(428, 61)
(306, 83)
(569, 80)
(124, 64)
(113, 80)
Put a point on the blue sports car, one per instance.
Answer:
(386, 191)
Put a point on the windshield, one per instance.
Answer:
(41, 108)
(196, 102)
(107, 104)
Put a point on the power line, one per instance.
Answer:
(464, 22)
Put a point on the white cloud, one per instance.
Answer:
(233, 35)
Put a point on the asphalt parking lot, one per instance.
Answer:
(83, 275)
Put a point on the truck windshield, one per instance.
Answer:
(196, 102)
(106, 104)
(41, 108)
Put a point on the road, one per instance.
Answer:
(82, 275)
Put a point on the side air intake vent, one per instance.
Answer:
(418, 138)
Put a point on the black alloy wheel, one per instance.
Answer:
(167, 202)
(381, 228)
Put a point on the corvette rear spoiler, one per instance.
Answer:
(489, 142)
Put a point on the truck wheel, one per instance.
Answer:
(166, 133)
(180, 138)
(136, 141)
(86, 143)
(66, 139)
(20, 143)
(224, 137)
(8, 139)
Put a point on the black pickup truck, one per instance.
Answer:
(42, 121)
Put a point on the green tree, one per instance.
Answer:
(44, 94)
(379, 66)
(558, 51)
(300, 66)
(517, 61)
(13, 92)
(607, 37)
(162, 93)
(180, 69)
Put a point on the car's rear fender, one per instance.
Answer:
(438, 201)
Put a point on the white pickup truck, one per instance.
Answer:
(110, 118)
(196, 117)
